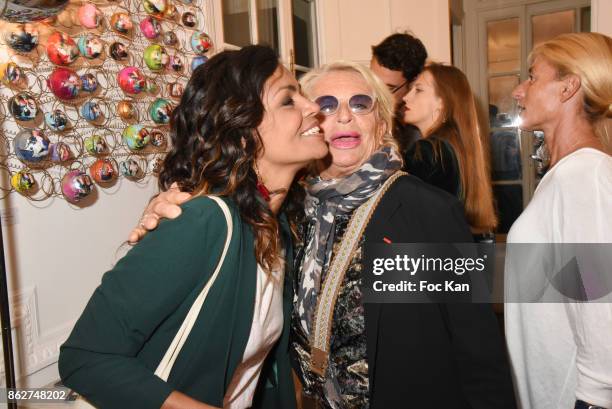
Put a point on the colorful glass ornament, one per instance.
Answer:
(103, 171)
(23, 38)
(76, 185)
(200, 42)
(189, 19)
(56, 120)
(150, 28)
(158, 139)
(96, 145)
(23, 107)
(175, 90)
(155, 57)
(92, 111)
(160, 111)
(23, 181)
(176, 63)
(169, 38)
(31, 145)
(60, 152)
(171, 12)
(90, 46)
(89, 16)
(131, 80)
(155, 7)
(118, 51)
(61, 49)
(129, 168)
(89, 82)
(136, 137)
(126, 111)
(64, 83)
(11, 75)
(121, 23)
(197, 61)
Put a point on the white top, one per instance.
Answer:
(265, 331)
(561, 352)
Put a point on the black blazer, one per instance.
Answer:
(449, 356)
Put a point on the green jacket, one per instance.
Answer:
(132, 317)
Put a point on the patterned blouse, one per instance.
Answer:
(346, 383)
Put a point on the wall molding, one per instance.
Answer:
(32, 350)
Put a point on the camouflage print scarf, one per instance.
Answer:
(324, 200)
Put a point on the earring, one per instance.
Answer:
(263, 190)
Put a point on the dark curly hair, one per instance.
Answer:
(401, 52)
(215, 142)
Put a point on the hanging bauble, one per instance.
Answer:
(11, 75)
(131, 80)
(60, 152)
(56, 120)
(23, 38)
(155, 7)
(23, 181)
(61, 49)
(64, 83)
(155, 57)
(136, 137)
(200, 42)
(176, 63)
(197, 61)
(118, 51)
(90, 46)
(129, 168)
(103, 171)
(189, 19)
(92, 112)
(160, 111)
(31, 145)
(150, 28)
(23, 107)
(126, 111)
(96, 145)
(76, 185)
(89, 16)
(89, 82)
(121, 23)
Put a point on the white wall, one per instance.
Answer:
(601, 16)
(348, 28)
(56, 254)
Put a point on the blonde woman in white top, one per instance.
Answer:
(561, 353)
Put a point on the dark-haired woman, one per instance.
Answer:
(241, 131)
(452, 153)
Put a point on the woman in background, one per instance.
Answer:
(452, 153)
(561, 353)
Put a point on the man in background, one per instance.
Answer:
(397, 61)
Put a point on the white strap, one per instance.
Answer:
(165, 366)
(326, 302)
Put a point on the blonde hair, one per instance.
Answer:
(459, 125)
(588, 56)
(382, 97)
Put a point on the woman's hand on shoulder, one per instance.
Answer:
(164, 206)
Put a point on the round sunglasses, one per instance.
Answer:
(359, 104)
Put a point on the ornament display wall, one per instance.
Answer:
(85, 96)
